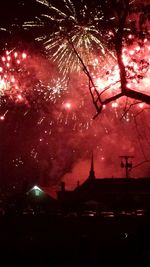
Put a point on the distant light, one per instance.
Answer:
(130, 36)
(2, 118)
(8, 58)
(12, 79)
(37, 191)
(131, 52)
(129, 85)
(35, 187)
(15, 54)
(20, 97)
(24, 55)
(68, 105)
(110, 33)
(114, 105)
(137, 48)
(125, 235)
(2, 84)
(3, 58)
(141, 105)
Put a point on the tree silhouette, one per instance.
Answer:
(125, 21)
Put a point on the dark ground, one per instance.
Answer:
(33, 240)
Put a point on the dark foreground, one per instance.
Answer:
(40, 240)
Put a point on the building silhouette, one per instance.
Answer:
(35, 200)
(107, 194)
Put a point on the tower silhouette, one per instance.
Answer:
(92, 172)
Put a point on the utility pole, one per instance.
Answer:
(126, 164)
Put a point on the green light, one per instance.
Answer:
(37, 193)
(37, 190)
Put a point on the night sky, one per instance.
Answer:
(47, 131)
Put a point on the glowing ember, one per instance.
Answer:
(67, 105)
(2, 118)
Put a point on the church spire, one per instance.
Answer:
(92, 172)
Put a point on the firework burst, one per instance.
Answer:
(73, 26)
(23, 81)
(11, 75)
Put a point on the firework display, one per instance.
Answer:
(75, 25)
(47, 102)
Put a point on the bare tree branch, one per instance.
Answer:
(141, 163)
(118, 32)
(126, 110)
(108, 87)
(139, 139)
